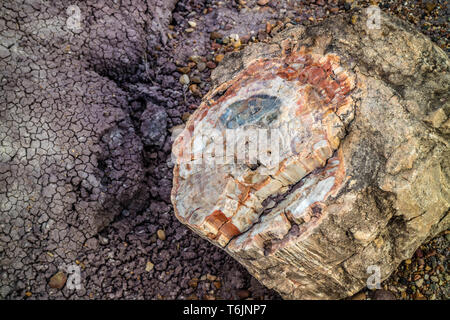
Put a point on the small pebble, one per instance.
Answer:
(211, 65)
(334, 10)
(245, 38)
(429, 6)
(149, 266)
(419, 283)
(103, 240)
(419, 296)
(434, 262)
(161, 234)
(262, 2)
(215, 35)
(243, 294)
(268, 27)
(219, 58)
(201, 66)
(193, 283)
(184, 79)
(383, 295)
(262, 34)
(237, 43)
(58, 280)
(419, 253)
(184, 70)
(185, 117)
(195, 58)
(196, 79)
(210, 277)
(195, 90)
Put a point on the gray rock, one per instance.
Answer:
(154, 125)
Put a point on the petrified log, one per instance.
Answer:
(320, 154)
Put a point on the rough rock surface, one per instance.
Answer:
(363, 176)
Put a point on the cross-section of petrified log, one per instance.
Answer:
(300, 99)
(320, 154)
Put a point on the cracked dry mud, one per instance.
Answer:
(85, 176)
